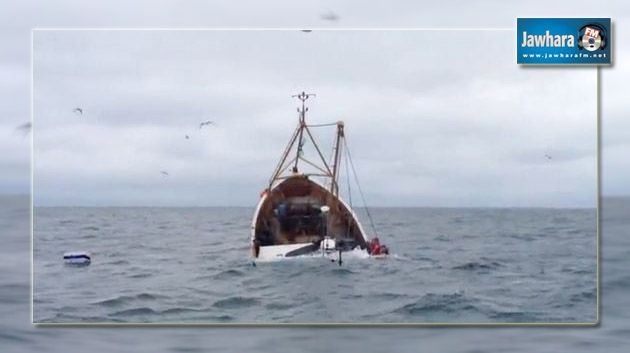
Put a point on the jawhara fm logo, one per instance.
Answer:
(592, 37)
(561, 41)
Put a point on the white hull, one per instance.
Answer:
(273, 252)
(279, 252)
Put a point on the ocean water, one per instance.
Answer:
(192, 265)
(18, 335)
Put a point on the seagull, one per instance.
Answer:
(78, 110)
(187, 137)
(25, 128)
(209, 122)
(547, 156)
(329, 16)
(164, 173)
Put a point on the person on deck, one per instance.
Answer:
(375, 246)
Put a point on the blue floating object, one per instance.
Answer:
(77, 258)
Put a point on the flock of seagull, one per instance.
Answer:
(329, 16)
(202, 124)
(26, 128)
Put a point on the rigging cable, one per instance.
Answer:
(356, 179)
(330, 161)
(349, 187)
(348, 177)
(321, 125)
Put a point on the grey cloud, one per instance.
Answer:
(422, 127)
(19, 18)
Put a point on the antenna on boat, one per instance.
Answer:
(303, 97)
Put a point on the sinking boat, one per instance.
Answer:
(298, 215)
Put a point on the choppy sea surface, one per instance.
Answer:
(193, 265)
(18, 335)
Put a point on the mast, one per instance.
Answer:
(303, 97)
(301, 133)
(334, 186)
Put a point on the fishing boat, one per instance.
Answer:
(298, 215)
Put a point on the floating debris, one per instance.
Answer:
(77, 258)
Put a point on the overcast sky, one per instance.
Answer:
(433, 118)
(397, 101)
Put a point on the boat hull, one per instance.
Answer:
(295, 216)
(275, 252)
(286, 252)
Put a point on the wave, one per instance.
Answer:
(118, 262)
(17, 337)
(219, 318)
(114, 301)
(621, 281)
(140, 275)
(476, 266)
(390, 296)
(446, 303)
(585, 296)
(180, 311)
(126, 299)
(526, 237)
(67, 318)
(228, 274)
(235, 302)
(442, 237)
(342, 271)
(515, 316)
(135, 312)
(144, 311)
(8, 293)
(577, 231)
(379, 296)
(148, 296)
(278, 306)
(577, 271)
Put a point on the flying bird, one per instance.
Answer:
(204, 123)
(164, 173)
(25, 128)
(307, 30)
(547, 156)
(187, 137)
(329, 16)
(78, 110)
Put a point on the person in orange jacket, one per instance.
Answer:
(375, 246)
